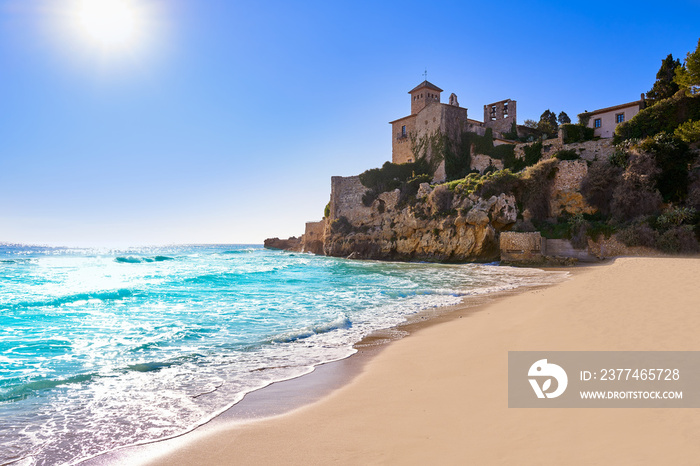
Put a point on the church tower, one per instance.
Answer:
(422, 95)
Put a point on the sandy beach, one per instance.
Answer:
(440, 396)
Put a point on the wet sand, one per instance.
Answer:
(440, 395)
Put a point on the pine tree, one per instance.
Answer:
(664, 87)
(563, 118)
(548, 123)
(688, 75)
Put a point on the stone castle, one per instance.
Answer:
(429, 115)
(387, 230)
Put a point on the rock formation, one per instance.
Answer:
(289, 244)
(438, 227)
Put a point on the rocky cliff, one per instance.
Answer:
(438, 225)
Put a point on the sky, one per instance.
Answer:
(222, 121)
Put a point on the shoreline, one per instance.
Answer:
(440, 397)
(282, 397)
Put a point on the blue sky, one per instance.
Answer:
(225, 120)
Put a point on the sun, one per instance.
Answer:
(109, 23)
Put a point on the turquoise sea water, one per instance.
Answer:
(103, 348)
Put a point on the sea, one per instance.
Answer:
(103, 348)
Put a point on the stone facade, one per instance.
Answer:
(566, 189)
(402, 129)
(423, 95)
(599, 149)
(313, 237)
(482, 162)
(346, 199)
(521, 247)
(562, 248)
(500, 116)
(428, 116)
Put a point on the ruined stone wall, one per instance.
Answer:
(346, 199)
(481, 162)
(563, 248)
(599, 149)
(566, 189)
(592, 150)
(500, 116)
(312, 239)
(521, 247)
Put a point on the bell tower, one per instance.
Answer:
(423, 95)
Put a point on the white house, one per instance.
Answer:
(604, 120)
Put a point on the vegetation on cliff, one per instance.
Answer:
(648, 193)
(673, 102)
(664, 116)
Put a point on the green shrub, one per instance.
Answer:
(679, 240)
(458, 155)
(553, 230)
(341, 226)
(513, 133)
(577, 133)
(533, 153)
(639, 234)
(618, 158)
(689, 131)
(327, 211)
(666, 115)
(578, 229)
(536, 187)
(636, 193)
(597, 228)
(676, 216)
(496, 183)
(672, 156)
(466, 185)
(391, 176)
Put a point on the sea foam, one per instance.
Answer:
(101, 349)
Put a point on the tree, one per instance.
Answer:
(548, 123)
(664, 87)
(688, 75)
(563, 118)
(530, 123)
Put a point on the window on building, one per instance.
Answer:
(505, 109)
(619, 117)
(403, 131)
(493, 112)
(597, 122)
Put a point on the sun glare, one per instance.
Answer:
(109, 23)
